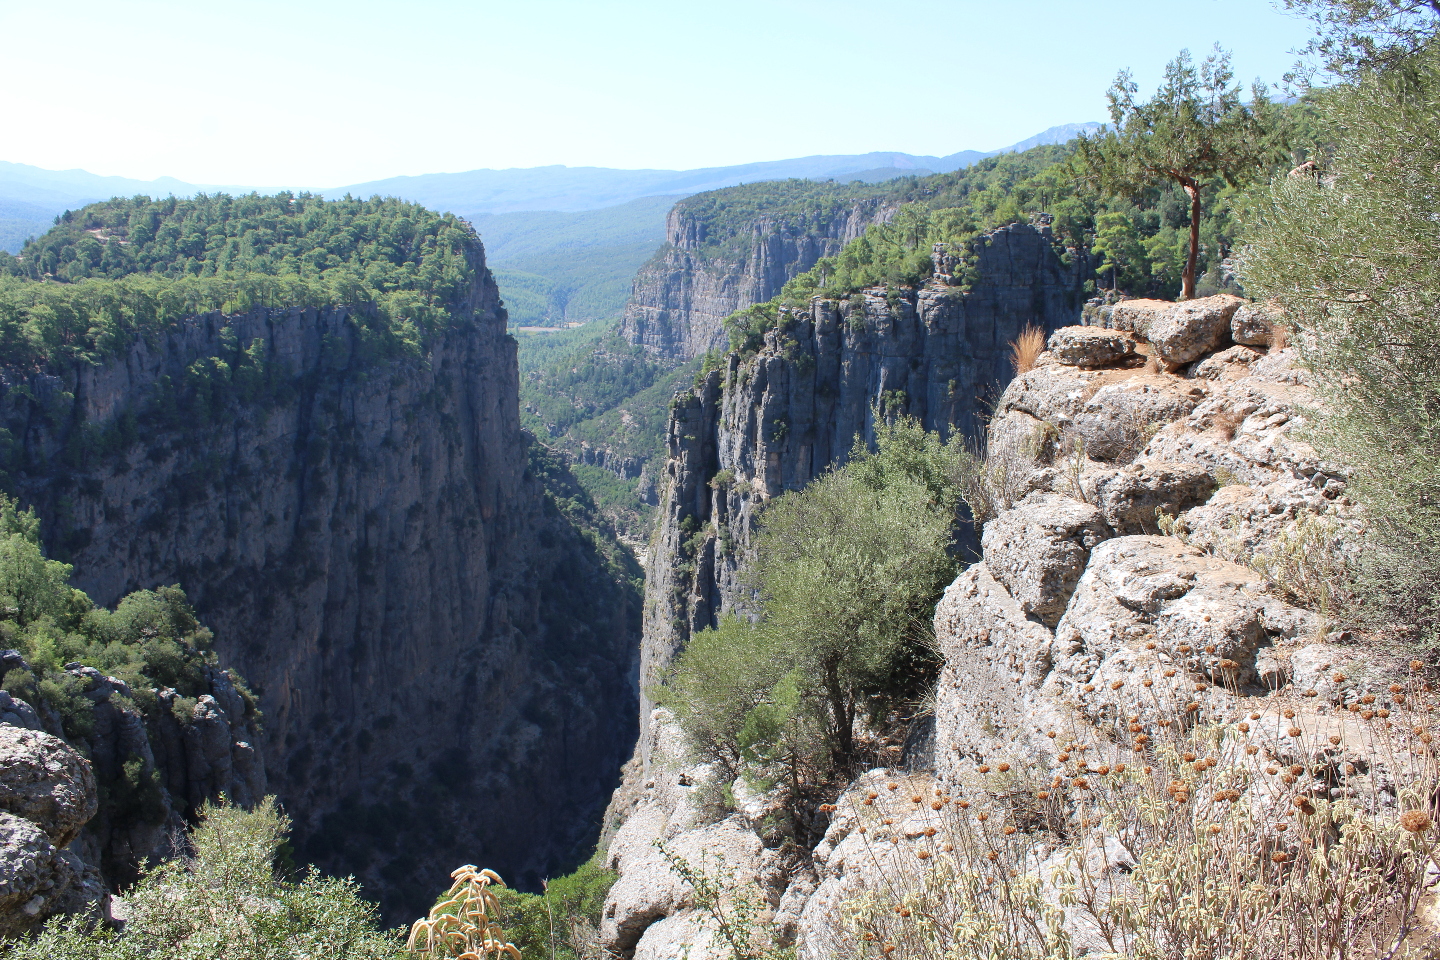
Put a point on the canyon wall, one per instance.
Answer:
(769, 422)
(681, 298)
(444, 659)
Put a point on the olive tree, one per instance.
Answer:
(1350, 259)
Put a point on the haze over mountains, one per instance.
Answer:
(564, 241)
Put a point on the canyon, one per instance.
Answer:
(373, 543)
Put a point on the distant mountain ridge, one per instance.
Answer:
(31, 197)
(574, 189)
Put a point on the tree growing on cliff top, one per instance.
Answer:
(1194, 132)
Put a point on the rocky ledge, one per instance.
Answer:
(1155, 469)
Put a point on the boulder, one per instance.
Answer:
(1091, 346)
(1136, 316)
(1189, 330)
(46, 782)
(1252, 325)
(18, 713)
(1039, 549)
(1147, 605)
(47, 793)
(1131, 498)
(995, 661)
(649, 890)
(1118, 419)
(1229, 364)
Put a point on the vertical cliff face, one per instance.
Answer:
(682, 296)
(771, 422)
(443, 659)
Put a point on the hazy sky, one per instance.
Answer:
(318, 93)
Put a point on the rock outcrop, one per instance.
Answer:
(47, 794)
(444, 661)
(681, 298)
(1119, 588)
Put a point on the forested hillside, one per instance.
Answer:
(304, 412)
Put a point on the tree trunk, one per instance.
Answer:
(844, 723)
(1187, 281)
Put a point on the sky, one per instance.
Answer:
(314, 93)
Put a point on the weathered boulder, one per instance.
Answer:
(1189, 330)
(1229, 364)
(1091, 346)
(18, 713)
(47, 793)
(1252, 325)
(995, 661)
(1136, 316)
(43, 780)
(1132, 498)
(1150, 605)
(1119, 418)
(649, 890)
(1039, 549)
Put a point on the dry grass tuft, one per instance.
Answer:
(462, 924)
(1227, 422)
(1026, 349)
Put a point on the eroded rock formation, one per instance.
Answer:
(771, 422)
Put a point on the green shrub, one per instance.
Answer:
(224, 899)
(1349, 258)
(847, 572)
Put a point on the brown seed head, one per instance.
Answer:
(1043, 795)
(1416, 821)
(1008, 831)
(1251, 750)
(1209, 648)
(1396, 688)
(1279, 857)
(1169, 673)
(1244, 727)
(891, 786)
(1288, 714)
(923, 854)
(1003, 768)
(984, 768)
(1338, 678)
(1334, 739)
(1294, 732)
(1416, 665)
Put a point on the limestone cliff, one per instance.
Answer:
(770, 422)
(681, 298)
(443, 659)
(1155, 471)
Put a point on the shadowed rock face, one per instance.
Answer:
(771, 422)
(443, 660)
(681, 298)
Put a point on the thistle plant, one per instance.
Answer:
(462, 925)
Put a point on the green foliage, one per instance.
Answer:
(588, 386)
(847, 571)
(1350, 260)
(132, 268)
(225, 900)
(1194, 131)
(563, 921)
(1353, 36)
